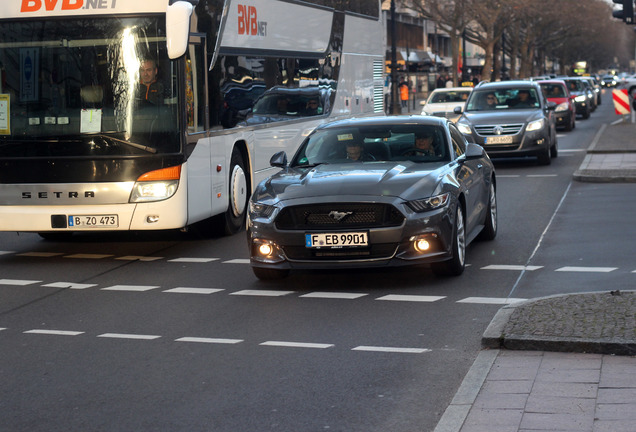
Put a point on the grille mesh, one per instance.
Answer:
(336, 215)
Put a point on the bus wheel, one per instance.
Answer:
(239, 193)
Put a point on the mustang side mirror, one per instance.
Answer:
(474, 151)
(279, 160)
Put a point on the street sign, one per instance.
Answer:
(621, 101)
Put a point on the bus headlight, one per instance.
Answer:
(153, 191)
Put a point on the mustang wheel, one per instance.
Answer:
(455, 266)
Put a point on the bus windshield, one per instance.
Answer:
(87, 87)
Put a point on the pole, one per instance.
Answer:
(394, 83)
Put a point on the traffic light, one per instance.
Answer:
(627, 13)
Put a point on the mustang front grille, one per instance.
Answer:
(336, 215)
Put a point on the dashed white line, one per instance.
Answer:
(237, 261)
(40, 254)
(6, 252)
(88, 256)
(334, 295)
(542, 175)
(262, 293)
(187, 290)
(490, 300)
(69, 285)
(18, 282)
(193, 260)
(54, 332)
(296, 344)
(391, 349)
(138, 258)
(209, 340)
(587, 269)
(511, 267)
(410, 298)
(128, 336)
(137, 288)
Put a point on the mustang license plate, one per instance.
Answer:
(504, 139)
(93, 221)
(336, 240)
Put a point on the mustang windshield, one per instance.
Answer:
(87, 87)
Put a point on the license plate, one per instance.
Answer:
(505, 139)
(337, 240)
(93, 221)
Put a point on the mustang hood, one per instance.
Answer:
(360, 179)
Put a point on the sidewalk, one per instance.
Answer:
(564, 362)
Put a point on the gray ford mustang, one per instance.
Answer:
(373, 192)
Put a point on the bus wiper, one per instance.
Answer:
(129, 143)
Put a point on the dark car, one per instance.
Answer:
(565, 112)
(511, 119)
(283, 103)
(400, 203)
(583, 96)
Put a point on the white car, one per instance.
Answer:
(443, 101)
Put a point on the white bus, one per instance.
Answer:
(156, 114)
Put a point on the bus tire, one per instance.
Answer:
(238, 194)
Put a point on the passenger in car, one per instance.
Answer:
(355, 152)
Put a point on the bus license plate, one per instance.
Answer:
(337, 240)
(93, 221)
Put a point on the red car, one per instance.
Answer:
(565, 112)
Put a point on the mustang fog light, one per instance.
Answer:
(422, 245)
(266, 251)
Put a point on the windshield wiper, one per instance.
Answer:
(129, 143)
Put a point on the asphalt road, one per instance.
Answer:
(166, 332)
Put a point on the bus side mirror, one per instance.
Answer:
(178, 28)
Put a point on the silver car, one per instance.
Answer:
(382, 191)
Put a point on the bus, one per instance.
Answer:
(159, 114)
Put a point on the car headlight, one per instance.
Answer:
(156, 185)
(561, 107)
(427, 204)
(580, 98)
(464, 128)
(260, 210)
(535, 125)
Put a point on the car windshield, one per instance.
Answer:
(503, 98)
(576, 85)
(417, 143)
(449, 96)
(553, 90)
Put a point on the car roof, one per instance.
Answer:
(385, 121)
(552, 81)
(507, 84)
(451, 89)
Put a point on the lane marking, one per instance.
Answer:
(128, 336)
(391, 349)
(193, 260)
(542, 175)
(511, 267)
(6, 252)
(334, 295)
(138, 258)
(40, 254)
(410, 298)
(54, 332)
(18, 282)
(88, 256)
(209, 340)
(571, 150)
(587, 269)
(490, 300)
(69, 285)
(237, 261)
(508, 175)
(137, 288)
(296, 344)
(187, 290)
(262, 293)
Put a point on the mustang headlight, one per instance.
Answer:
(561, 107)
(427, 204)
(464, 128)
(260, 210)
(535, 125)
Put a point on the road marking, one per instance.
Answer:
(70, 285)
(137, 288)
(511, 267)
(88, 256)
(262, 293)
(186, 290)
(587, 269)
(54, 332)
(209, 340)
(391, 349)
(193, 260)
(18, 282)
(296, 344)
(41, 254)
(334, 295)
(410, 298)
(128, 336)
(542, 175)
(508, 175)
(237, 261)
(6, 252)
(571, 150)
(490, 300)
(138, 258)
